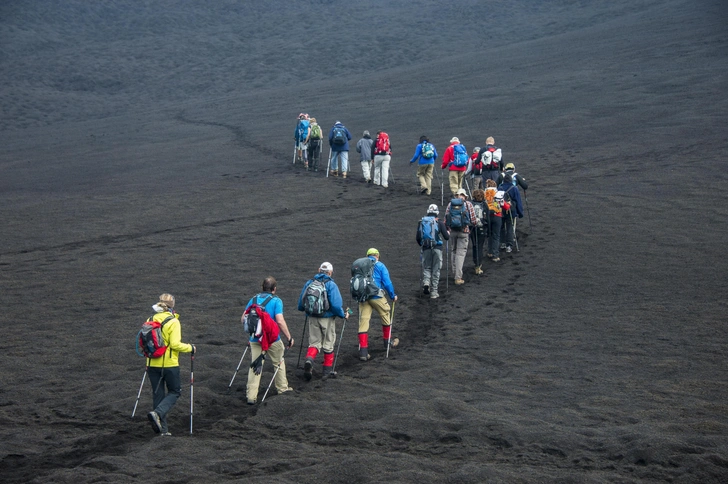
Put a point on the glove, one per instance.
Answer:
(194, 349)
(257, 365)
(290, 343)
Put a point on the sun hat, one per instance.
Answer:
(461, 191)
(455, 139)
(326, 267)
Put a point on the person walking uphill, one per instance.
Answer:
(339, 138)
(321, 301)
(314, 145)
(430, 233)
(370, 283)
(492, 159)
(459, 216)
(301, 135)
(364, 148)
(382, 158)
(455, 160)
(425, 156)
(164, 371)
(266, 342)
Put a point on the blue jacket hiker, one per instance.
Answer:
(513, 197)
(425, 156)
(379, 304)
(339, 138)
(321, 300)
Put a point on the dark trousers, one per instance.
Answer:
(478, 237)
(494, 234)
(164, 399)
(314, 153)
(508, 234)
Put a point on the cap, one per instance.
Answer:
(461, 191)
(372, 251)
(433, 209)
(326, 267)
(510, 166)
(455, 139)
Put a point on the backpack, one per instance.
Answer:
(428, 151)
(253, 316)
(382, 146)
(362, 283)
(302, 129)
(316, 299)
(428, 232)
(477, 166)
(150, 339)
(339, 137)
(495, 203)
(316, 132)
(458, 217)
(479, 213)
(491, 157)
(460, 156)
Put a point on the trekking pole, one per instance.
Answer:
(336, 356)
(295, 146)
(192, 387)
(300, 349)
(391, 323)
(328, 165)
(447, 267)
(238, 368)
(513, 225)
(391, 176)
(527, 211)
(140, 391)
(274, 376)
(468, 187)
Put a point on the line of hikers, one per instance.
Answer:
(160, 339)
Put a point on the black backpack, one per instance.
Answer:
(362, 284)
(339, 137)
(316, 299)
(252, 315)
(458, 217)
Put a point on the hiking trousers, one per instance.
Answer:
(459, 251)
(162, 400)
(508, 230)
(380, 305)
(366, 169)
(456, 181)
(322, 333)
(275, 356)
(344, 157)
(314, 153)
(494, 234)
(424, 174)
(478, 183)
(478, 237)
(431, 265)
(381, 170)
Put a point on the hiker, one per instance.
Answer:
(425, 156)
(339, 138)
(322, 304)
(314, 145)
(378, 303)
(479, 232)
(382, 157)
(455, 160)
(513, 197)
(303, 131)
(517, 179)
(268, 344)
(495, 202)
(431, 231)
(164, 371)
(364, 148)
(475, 170)
(492, 159)
(459, 215)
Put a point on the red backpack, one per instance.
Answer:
(150, 339)
(382, 146)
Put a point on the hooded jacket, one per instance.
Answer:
(336, 303)
(338, 148)
(422, 160)
(449, 157)
(172, 334)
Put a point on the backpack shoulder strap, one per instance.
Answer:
(265, 301)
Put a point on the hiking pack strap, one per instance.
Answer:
(265, 301)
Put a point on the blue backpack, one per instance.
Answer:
(458, 217)
(339, 136)
(428, 151)
(460, 155)
(428, 232)
(302, 130)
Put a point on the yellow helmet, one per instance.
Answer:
(372, 251)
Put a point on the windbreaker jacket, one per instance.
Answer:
(382, 280)
(365, 147)
(336, 303)
(337, 148)
(172, 334)
(421, 159)
(512, 191)
(449, 156)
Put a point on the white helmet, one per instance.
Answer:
(433, 209)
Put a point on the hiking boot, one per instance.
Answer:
(343, 174)
(251, 402)
(305, 165)
(393, 343)
(423, 190)
(285, 390)
(478, 270)
(496, 259)
(334, 172)
(509, 249)
(155, 421)
(369, 180)
(326, 372)
(165, 434)
(364, 354)
(503, 246)
(307, 367)
(434, 295)
(426, 289)
(459, 281)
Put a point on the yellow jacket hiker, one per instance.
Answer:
(164, 371)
